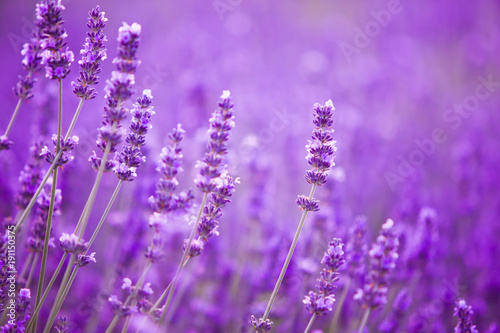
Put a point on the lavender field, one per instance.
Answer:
(250, 166)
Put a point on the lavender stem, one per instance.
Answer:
(364, 320)
(311, 321)
(30, 275)
(184, 256)
(338, 310)
(14, 115)
(26, 265)
(288, 258)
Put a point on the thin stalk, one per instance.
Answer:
(14, 115)
(26, 265)
(47, 239)
(338, 310)
(165, 292)
(84, 218)
(311, 321)
(46, 292)
(58, 303)
(184, 256)
(106, 211)
(30, 275)
(288, 258)
(27, 210)
(364, 320)
(59, 118)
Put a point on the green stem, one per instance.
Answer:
(59, 302)
(84, 217)
(26, 265)
(311, 321)
(184, 256)
(46, 292)
(30, 275)
(364, 320)
(288, 258)
(338, 310)
(16, 110)
(47, 240)
(27, 210)
(59, 118)
(105, 214)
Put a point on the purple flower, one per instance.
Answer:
(260, 325)
(321, 148)
(211, 165)
(61, 325)
(93, 53)
(322, 301)
(464, 314)
(72, 243)
(422, 245)
(310, 205)
(383, 256)
(49, 20)
(400, 306)
(84, 259)
(30, 177)
(131, 157)
(356, 249)
(5, 143)
(66, 146)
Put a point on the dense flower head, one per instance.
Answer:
(72, 243)
(30, 177)
(322, 147)
(261, 325)
(212, 164)
(119, 309)
(356, 248)
(322, 301)
(310, 205)
(5, 143)
(49, 20)
(208, 227)
(383, 256)
(61, 325)
(83, 260)
(65, 145)
(93, 53)
(131, 157)
(166, 199)
(464, 314)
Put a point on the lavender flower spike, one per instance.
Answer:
(93, 53)
(464, 314)
(383, 256)
(131, 157)
(322, 301)
(49, 20)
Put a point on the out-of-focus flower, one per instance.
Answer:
(464, 314)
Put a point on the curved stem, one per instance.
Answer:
(184, 256)
(288, 258)
(338, 310)
(364, 320)
(75, 118)
(14, 115)
(311, 321)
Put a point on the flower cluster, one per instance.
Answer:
(212, 164)
(36, 240)
(383, 256)
(219, 198)
(321, 148)
(72, 244)
(30, 177)
(322, 301)
(356, 249)
(137, 295)
(131, 157)
(93, 53)
(165, 200)
(306, 204)
(50, 22)
(32, 63)
(422, 246)
(464, 314)
(118, 89)
(22, 313)
(66, 146)
(261, 325)
(83, 260)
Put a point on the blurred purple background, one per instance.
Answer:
(415, 125)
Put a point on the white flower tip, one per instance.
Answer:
(147, 92)
(329, 104)
(225, 94)
(388, 224)
(135, 28)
